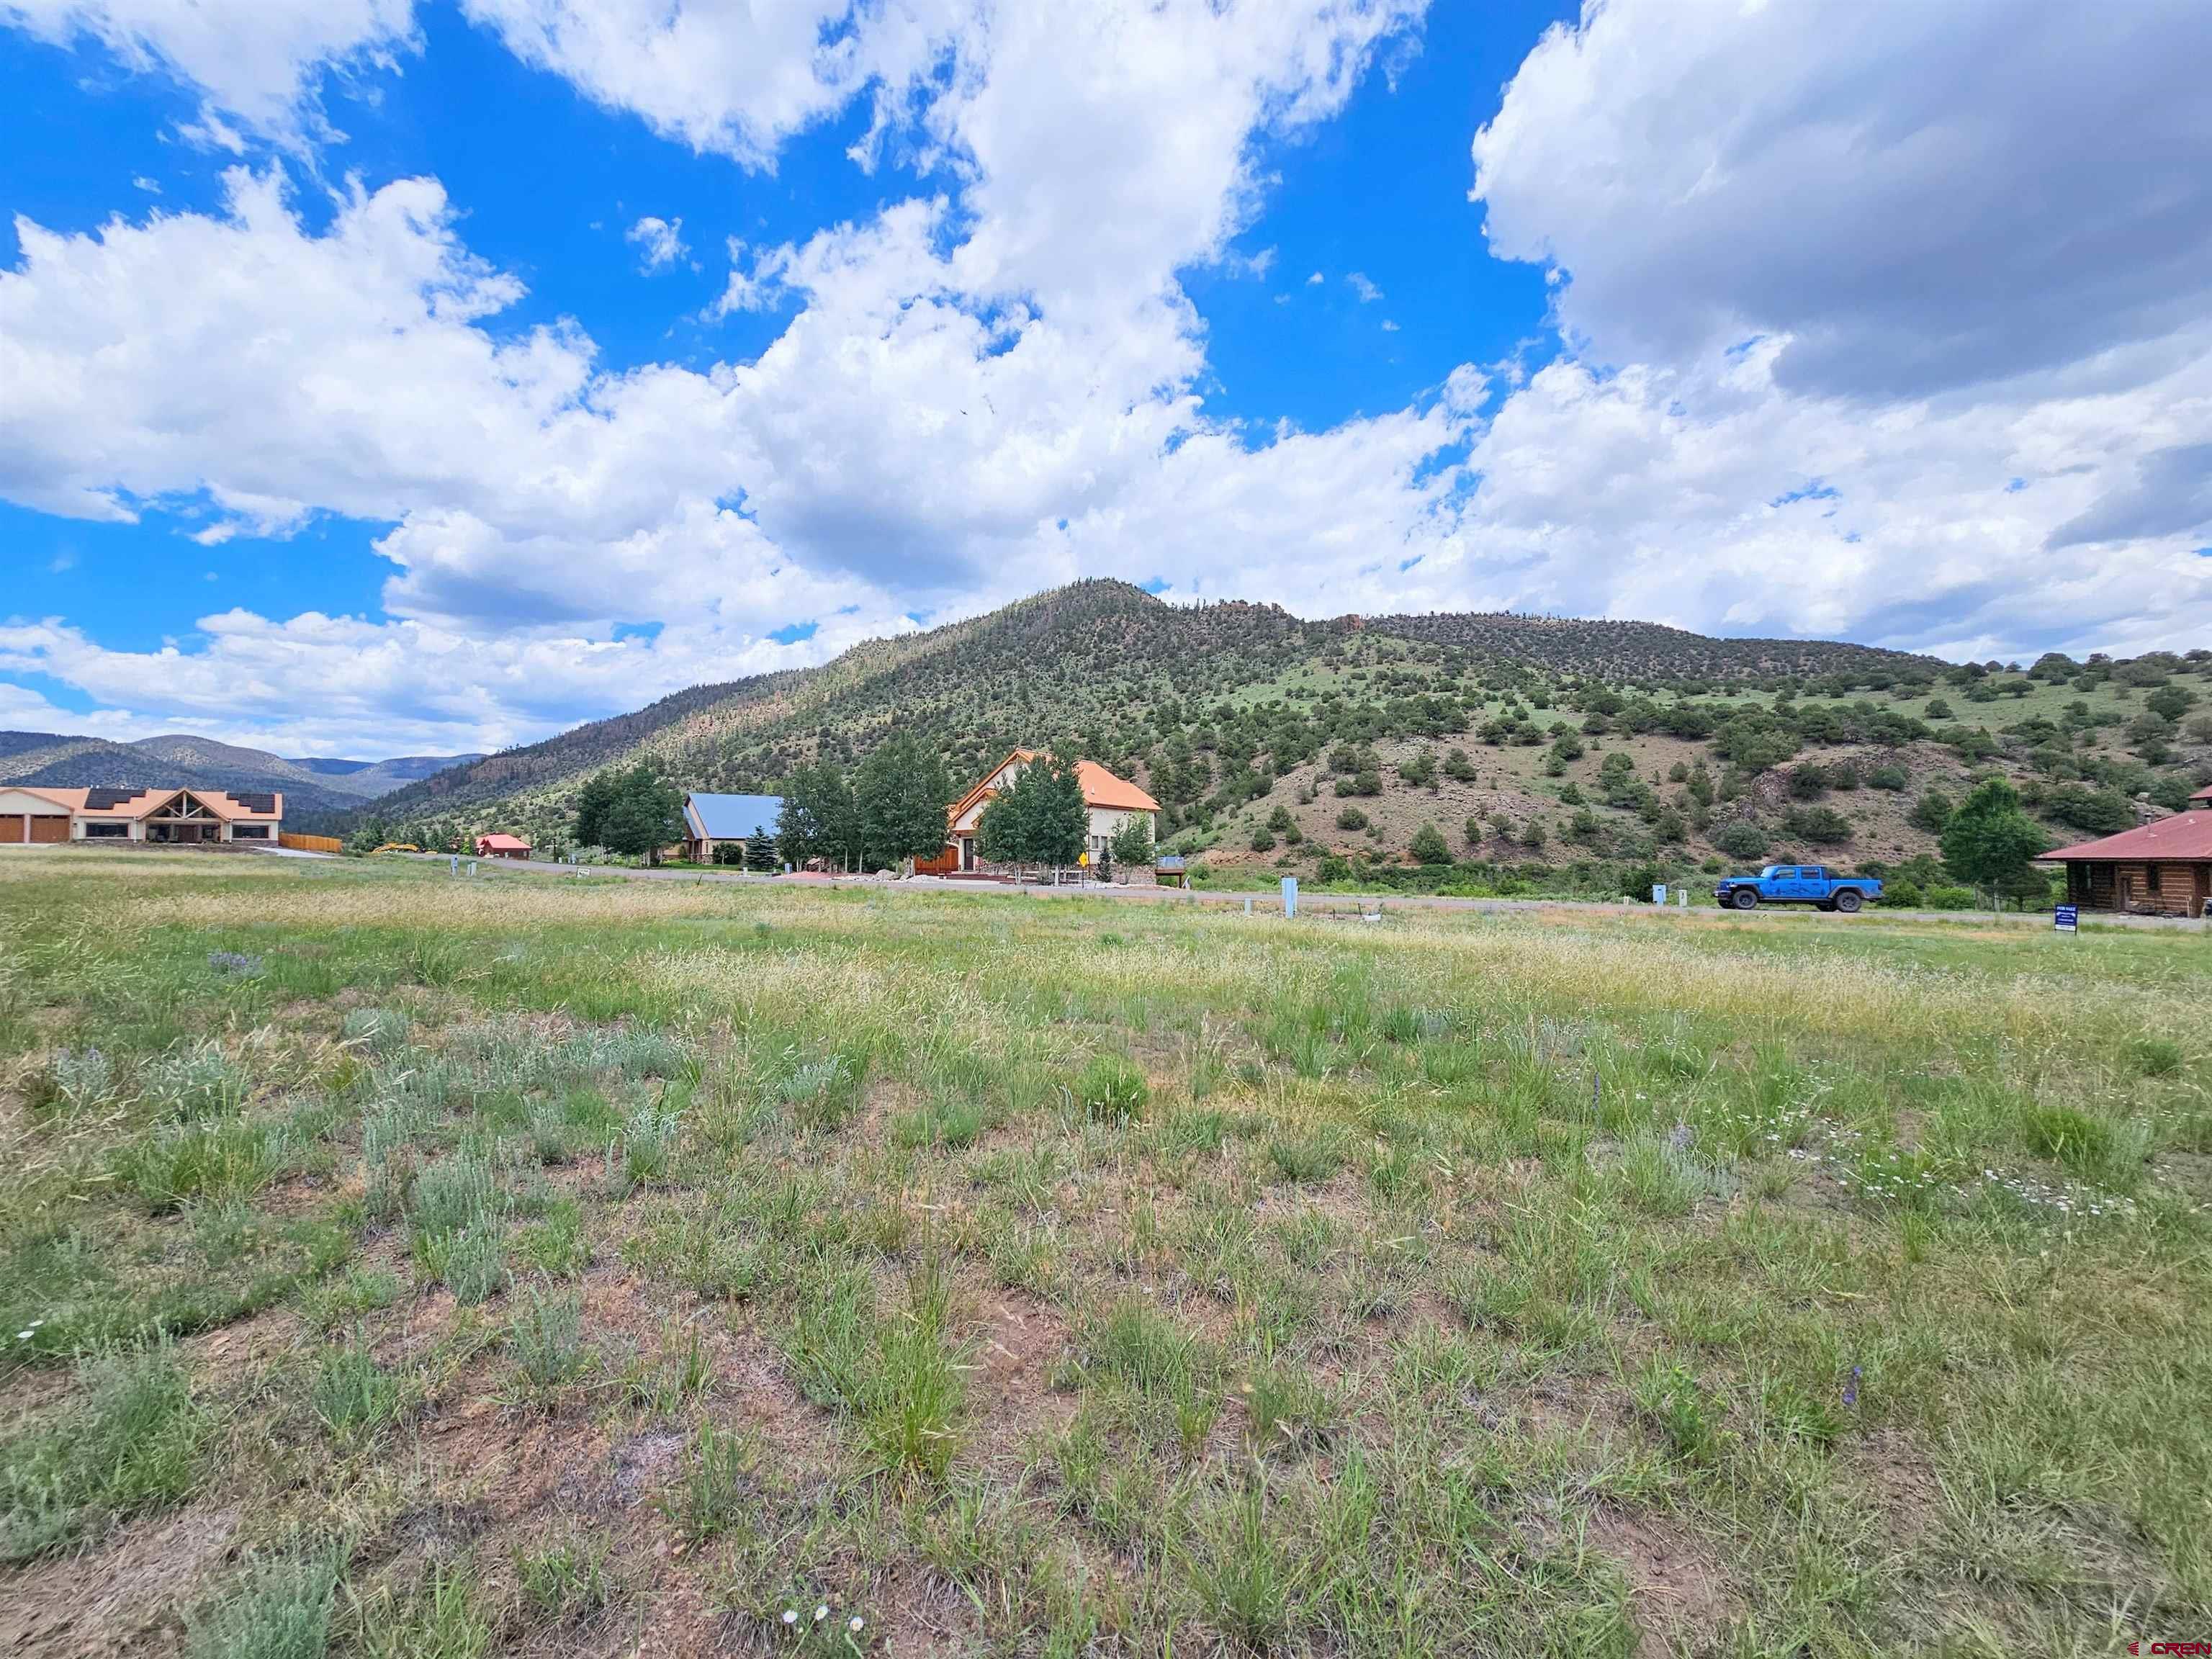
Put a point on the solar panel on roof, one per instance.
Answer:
(106, 801)
(257, 803)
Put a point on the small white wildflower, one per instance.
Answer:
(791, 1615)
(854, 1624)
(22, 1336)
(821, 1613)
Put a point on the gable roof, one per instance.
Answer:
(952, 812)
(68, 800)
(112, 803)
(1101, 788)
(504, 843)
(2184, 836)
(730, 817)
(2203, 794)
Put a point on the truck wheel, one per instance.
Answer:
(1848, 902)
(1743, 898)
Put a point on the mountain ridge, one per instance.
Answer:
(985, 683)
(60, 760)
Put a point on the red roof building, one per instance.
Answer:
(502, 846)
(2162, 868)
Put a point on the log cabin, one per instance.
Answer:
(2161, 868)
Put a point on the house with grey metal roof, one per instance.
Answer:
(709, 819)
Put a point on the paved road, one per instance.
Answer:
(1261, 904)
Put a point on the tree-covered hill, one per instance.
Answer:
(1281, 741)
(1644, 654)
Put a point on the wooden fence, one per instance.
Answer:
(310, 843)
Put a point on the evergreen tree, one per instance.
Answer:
(1990, 839)
(593, 802)
(634, 811)
(900, 796)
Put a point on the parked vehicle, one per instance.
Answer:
(1798, 884)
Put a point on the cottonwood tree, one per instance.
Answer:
(900, 796)
(820, 818)
(1040, 819)
(1133, 841)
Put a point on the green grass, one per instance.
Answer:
(712, 1493)
(1099, 1279)
(130, 1441)
(444, 1616)
(278, 1608)
(567, 1581)
(355, 1399)
(545, 1336)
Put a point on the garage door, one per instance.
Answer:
(11, 829)
(50, 827)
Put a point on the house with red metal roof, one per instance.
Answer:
(502, 846)
(1113, 802)
(167, 817)
(2160, 868)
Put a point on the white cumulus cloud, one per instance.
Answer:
(1831, 277)
(660, 242)
(1823, 293)
(258, 59)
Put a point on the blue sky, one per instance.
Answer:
(408, 375)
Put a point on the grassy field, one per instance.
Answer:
(391, 1265)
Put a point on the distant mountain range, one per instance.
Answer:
(312, 785)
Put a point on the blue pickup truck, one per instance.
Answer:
(1798, 884)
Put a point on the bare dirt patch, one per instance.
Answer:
(127, 1596)
(1010, 1390)
(1677, 1594)
(221, 1356)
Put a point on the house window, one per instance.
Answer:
(249, 832)
(108, 832)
